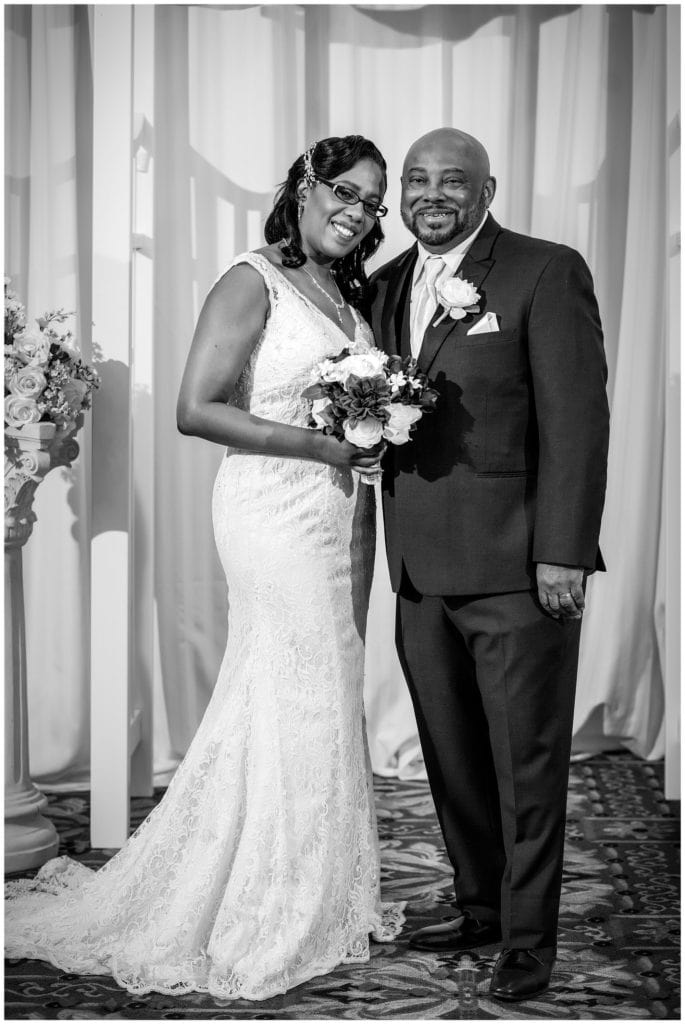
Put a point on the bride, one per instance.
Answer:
(260, 868)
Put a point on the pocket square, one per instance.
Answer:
(486, 325)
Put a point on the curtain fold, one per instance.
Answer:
(48, 151)
(570, 102)
(624, 601)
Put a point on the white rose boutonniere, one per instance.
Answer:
(459, 297)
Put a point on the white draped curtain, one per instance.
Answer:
(577, 105)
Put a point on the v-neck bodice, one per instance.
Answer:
(296, 336)
(358, 321)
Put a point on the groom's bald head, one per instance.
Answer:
(451, 140)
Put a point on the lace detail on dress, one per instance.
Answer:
(260, 868)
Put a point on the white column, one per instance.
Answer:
(111, 462)
(143, 660)
(30, 452)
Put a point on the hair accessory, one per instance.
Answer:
(309, 175)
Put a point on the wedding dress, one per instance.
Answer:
(260, 867)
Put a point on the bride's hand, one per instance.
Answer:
(349, 456)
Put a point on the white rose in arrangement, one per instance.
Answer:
(367, 433)
(318, 405)
(32, 347)
(459, 297)
(362, 359)
(19, 410)
(366, 364)
(28, 382)
(74, 392)
(402, 417)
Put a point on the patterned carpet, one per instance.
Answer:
(619, 938)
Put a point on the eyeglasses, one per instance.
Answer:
(350, 198)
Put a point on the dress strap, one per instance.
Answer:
(263, 267)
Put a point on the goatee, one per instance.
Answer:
(460, 226)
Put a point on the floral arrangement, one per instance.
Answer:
(45, 379)
(366, 396)
(459, 297)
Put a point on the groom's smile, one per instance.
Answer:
(437, 217)
(434, 225)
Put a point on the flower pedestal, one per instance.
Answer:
(31, 451)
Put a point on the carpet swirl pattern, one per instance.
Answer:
(618, 943)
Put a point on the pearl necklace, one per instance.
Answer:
(338, 306)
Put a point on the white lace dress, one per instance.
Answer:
(260, 867)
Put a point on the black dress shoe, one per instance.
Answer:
(520, 974)
(458, 933)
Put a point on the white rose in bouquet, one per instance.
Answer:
(367, 433)
(32, 347)
(19, 410)
(365, 364)
(28, 382)
(360, 358)
(402, 417)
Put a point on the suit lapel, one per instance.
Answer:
(395, 319)
(475, 267)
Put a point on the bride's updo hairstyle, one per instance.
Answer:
(328, 159)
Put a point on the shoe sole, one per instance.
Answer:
(504, 998)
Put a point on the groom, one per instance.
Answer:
(492, 516)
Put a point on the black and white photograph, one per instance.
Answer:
(342, 511)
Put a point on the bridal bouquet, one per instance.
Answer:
(45, 379)
(366, 396)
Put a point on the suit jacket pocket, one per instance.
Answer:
(488, 340)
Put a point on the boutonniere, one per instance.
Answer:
(459, 297)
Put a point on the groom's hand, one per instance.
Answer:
(560, 590)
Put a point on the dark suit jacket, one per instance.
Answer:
(510, 468)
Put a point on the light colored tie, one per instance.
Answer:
(426, 301)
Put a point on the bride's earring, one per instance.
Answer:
(300, 208)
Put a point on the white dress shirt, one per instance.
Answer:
(452, 260)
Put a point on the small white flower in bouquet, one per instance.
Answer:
(366, 396)
(45, 379)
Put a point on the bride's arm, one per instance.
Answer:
(229, 326)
